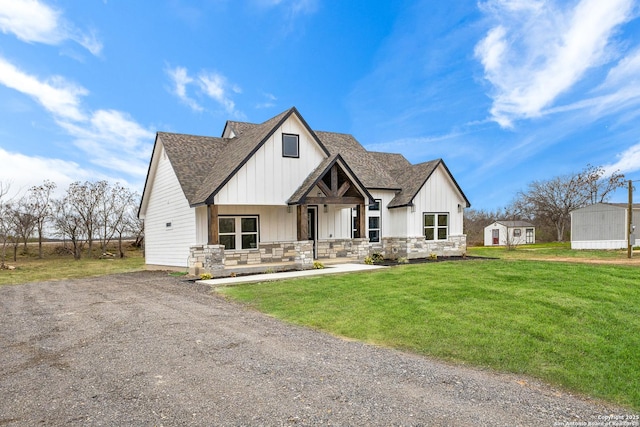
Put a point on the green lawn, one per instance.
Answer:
(574, 325)
(546, 251)
(28, 268)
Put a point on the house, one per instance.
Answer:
(509, 233)
(601, 226)
(279, 192)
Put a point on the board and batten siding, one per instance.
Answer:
(268, 178)
(437, 195)
(391, 226)
(276, 224)
(170, 226)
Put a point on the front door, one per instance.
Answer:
(495, 236)
(312, 228)
(529, 235)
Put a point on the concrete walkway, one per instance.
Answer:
(267, 277)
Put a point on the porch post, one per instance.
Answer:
(302, 222)
(213, 234)
(362, 225)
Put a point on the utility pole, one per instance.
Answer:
(630, 221)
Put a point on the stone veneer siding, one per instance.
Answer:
(418, 247)
(343, 248)
(213, 258)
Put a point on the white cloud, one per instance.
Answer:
(113, 140)
(208, 83)
(61, 172)
(56, 95)
(34, 22)
(110, 139)
(628, 161)
(180, 80)
(295, 7)
(538, 51)
(215, 86)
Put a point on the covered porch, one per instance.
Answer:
(323, 220)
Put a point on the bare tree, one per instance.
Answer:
(5, 223)
(24, 222)
(125, 216)
(83, 200)
(554, 199)
(40, 201)
(599, 185)
(69, 224)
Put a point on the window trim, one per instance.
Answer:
(238, 233)
(435, 226)
(284, 154)
(377, 209)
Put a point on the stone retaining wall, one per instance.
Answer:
(418, 247)
(343, 248)
(213, 258)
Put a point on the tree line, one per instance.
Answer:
(88, 213)
(548, 203)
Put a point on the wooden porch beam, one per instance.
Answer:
(302, 222)
(362, 226)
(213, 235)
(343, 189)
(334, 179)
(333, 200)
(326, 190)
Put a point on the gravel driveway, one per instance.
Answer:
(148, 349)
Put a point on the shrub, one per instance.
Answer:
(205, 276)
(403, 260)
(368, 260)
(377, 257)
(318, 265)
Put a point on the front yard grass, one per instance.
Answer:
(570, 324)
(546, 251)
(28, 268)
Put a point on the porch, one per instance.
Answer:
(213, 259)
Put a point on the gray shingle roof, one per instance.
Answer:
(192, 158)
(515, 223)
(205, 164)
(364, 165)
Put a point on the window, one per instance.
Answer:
(375, 221)
(290, 145)
(436, 226)
(238, 232)
(517, 232)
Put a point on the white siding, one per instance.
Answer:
(438, 195)
(335, 223)
(168, 245)
(502, 236)
(268, 178)
(488, 234)
(202, 225)
(389, 221)
(276, 224)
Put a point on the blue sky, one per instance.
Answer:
(505, 91)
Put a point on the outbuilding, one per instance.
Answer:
(505, 233)
(601, 226)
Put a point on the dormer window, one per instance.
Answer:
(290, 145)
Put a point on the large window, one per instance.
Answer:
(238, 232)
(375, 224)
(436, 226)
(290, 145)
